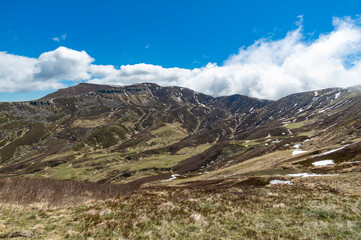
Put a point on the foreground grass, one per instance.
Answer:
(281, 212)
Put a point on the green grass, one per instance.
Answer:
(67, 171)
(100, 164)
(295, 125)
(105, 137)
(163, 136)
(165, 160)
(308, 133)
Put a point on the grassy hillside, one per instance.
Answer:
(151, 162)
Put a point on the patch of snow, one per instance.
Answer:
(323, 163)
(310, 175)
(295, 152)
(335, 150)
(337, 95)
(276, 181)
(340, 104)
(316, 93)
(297, 146)
(268, 136)
(353, 162)
(309, 106)
(331, 125)
(324, 110)
(173, 176)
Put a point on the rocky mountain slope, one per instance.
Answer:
(146, 133)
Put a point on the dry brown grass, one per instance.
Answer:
(32, 190)
(282, 212)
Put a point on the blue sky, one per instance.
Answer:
(183, 34)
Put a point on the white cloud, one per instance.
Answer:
(63, 64)
(56, 39)
(19, 73)
(267, 69)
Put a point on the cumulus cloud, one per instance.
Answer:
(63, 64)
(266, 69)
(19, 73)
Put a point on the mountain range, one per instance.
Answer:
(146, 133)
